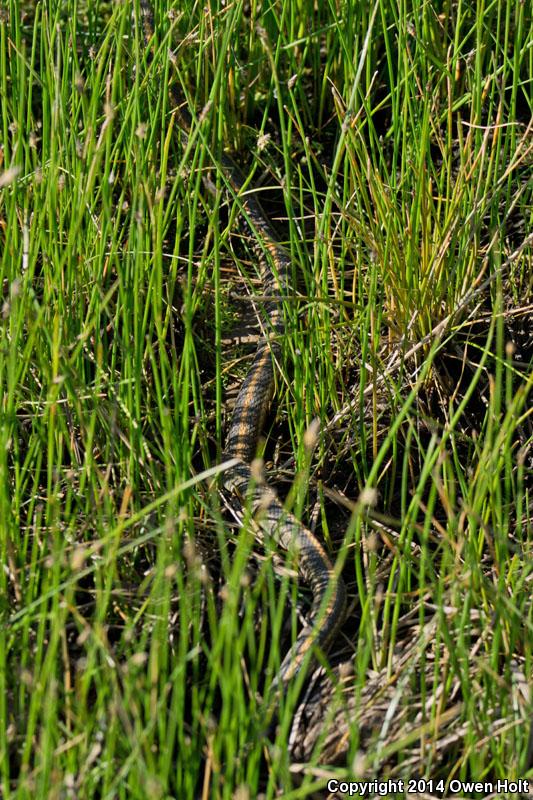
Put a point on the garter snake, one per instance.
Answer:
(253, 400)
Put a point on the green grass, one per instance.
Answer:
(139, 629)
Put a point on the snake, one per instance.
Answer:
(270, 518)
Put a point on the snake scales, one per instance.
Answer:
(253, 400)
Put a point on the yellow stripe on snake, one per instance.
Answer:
(253, 400)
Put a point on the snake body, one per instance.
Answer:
(270, 517)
